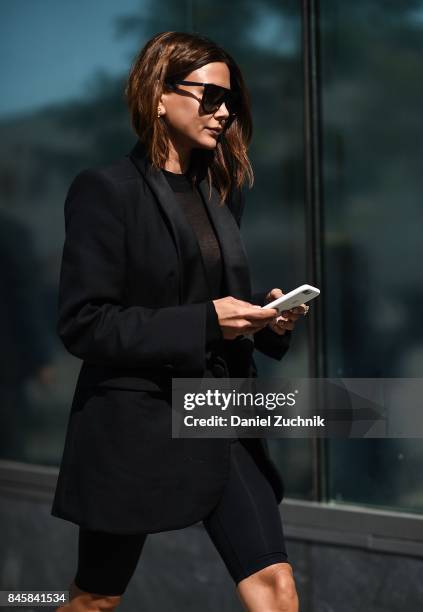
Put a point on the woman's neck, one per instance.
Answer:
(178, 159)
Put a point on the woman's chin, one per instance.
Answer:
(209, 142)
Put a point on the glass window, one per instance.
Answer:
(63, 66)
(372, 95)
(69, 113)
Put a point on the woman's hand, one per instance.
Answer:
(237, 317)
(287, 318)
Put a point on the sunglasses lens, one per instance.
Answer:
(232, 102)
(214, 96)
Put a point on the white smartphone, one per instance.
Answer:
(300, 295)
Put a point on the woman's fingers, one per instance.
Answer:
(274, 294)
(300, 310)
(287, 319)
(295, 313)
(252, 311)
(290, 316)
(253, 327)
(237, 317)
(259, 314)
(279, 327)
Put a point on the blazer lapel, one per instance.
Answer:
(235, 262)
(193, 283)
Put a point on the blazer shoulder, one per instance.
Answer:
(108, 186)
(100, 192)
(117, 171)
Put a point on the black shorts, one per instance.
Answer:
(245, 527)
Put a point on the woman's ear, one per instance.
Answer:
(162, 104)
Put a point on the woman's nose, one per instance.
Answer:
(222, 112)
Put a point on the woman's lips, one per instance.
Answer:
(216, 132)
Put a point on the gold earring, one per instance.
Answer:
(158, 112)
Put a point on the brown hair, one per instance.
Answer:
(179, 53)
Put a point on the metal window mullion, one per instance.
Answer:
(314, 221)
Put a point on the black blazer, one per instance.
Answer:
(133, 306)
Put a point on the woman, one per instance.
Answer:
(155, 285)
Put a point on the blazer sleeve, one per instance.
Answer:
(214, 334)
(266, 340)
(93, 324)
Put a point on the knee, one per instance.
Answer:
(282, 584)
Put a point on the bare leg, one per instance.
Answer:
(271, 589)
(82, 601)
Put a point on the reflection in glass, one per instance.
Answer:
(372, 134)
(61, 110)
(69, 113)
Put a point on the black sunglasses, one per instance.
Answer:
(213, 96)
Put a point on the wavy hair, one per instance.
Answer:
(168, 54)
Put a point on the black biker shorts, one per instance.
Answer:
(245, 527)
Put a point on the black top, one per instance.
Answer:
(191, 202)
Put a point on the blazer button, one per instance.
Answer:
(218, 370)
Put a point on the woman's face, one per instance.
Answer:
(188, 125)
